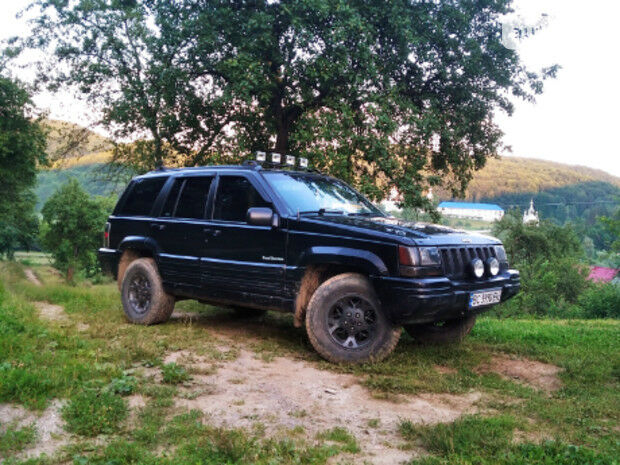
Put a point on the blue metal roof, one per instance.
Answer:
(471, 206)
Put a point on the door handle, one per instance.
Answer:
(217, 232)
(157, 226)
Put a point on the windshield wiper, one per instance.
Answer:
(321, 211)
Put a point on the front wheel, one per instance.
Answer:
(144, 300)
(442, 332)
(345, 323)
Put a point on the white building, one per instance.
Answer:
(471, 210)
(531, 215)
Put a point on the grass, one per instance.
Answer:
(490, 441)
(173, 373)
(341, 435)
(15, 439)
(93, 412)
(94, 368)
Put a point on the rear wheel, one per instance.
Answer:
(442, 332)
(144, 299)
(345, 323)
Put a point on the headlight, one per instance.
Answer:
(477, 268)
(419, 261)
(419, 256)
(492, 266)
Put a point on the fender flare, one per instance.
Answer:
(362, 259)
(139, 243)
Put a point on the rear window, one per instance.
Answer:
(143, 193)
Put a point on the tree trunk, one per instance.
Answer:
(70, 273)
(282, 139)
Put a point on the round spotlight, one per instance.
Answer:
(492, 266)
(477, 268)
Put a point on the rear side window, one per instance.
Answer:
(235, 195)
(142, 196)
(173, 195)
(193, 200)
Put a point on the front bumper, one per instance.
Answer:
(108, 258)
(424, 300)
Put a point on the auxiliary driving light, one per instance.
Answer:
(492, 266)
(261, 156)
(276, 158)
(290, 160)
(303, 163)
(477, 267)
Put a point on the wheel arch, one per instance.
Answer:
(132, 248)
(322, 263)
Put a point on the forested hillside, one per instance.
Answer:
(91, 177)
(513, 175)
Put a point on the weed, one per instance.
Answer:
(298, 413)
(14, 439)
(373, 423)
(173, 373)
(93, 412)
(124, 386)
(341, 435)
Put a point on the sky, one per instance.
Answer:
(576, 119)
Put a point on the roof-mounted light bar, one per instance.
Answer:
(277, 159)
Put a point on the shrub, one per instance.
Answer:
(93, 412)
(601, 301)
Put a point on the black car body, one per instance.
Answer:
(194, 223)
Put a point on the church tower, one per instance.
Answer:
(530, 216)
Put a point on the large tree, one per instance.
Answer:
(22, 149)
(380, 93)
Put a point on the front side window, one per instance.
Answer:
(235, 195)
(140, 200)
(192, 202)
(306, 193)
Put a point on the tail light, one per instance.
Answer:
(106, 235)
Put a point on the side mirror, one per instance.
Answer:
(261, 216)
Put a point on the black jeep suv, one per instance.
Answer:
(261, 239)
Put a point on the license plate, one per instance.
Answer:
(479, 299)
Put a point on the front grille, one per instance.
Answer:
(456, 259)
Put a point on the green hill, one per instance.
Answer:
(509, 175)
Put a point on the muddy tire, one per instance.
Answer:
(345, 323)
(243, 313)
(126, 259)
(144, 300)
(445, 332)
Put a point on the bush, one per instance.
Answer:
(93, 412)
(601, 301)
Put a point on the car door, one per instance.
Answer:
(181, 230)
(242, 259)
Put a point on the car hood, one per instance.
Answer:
(417, 233)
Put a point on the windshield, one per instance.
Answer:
(312, 194)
